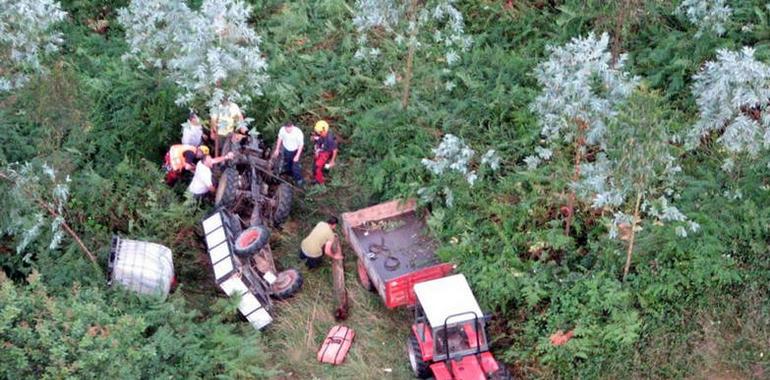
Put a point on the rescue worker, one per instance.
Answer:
(290, 143)
(192, 130)
(320, 242)
(325, 150)
(225, 119)
(202, 184)
(181, 157)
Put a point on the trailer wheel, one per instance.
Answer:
(226, 191)
(363, 277)
(283, 199)
(420, 368)
(287, 284)
(251, 240)
(502, 373)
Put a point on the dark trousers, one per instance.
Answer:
(311, 262)
(289, 166)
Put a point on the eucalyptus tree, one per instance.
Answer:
(636, 174)
(26, 34)
(413, 25)
(210, 53)
(33, 206)
(708, 15)
(454, 155)
(733, 95)
(582, 91)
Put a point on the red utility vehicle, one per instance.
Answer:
(449, 339)
(394, 250)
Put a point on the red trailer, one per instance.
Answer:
(394, 250)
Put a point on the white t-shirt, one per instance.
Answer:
(202, 179)
(291, 141)
(191, 134)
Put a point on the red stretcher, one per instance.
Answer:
(336, 345)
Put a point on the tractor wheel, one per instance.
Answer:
(287, 284)
(502, 373)
(251, 240)
(363, 277)
(226, 190)
(420, 368)
(235, 225)
(283, 200)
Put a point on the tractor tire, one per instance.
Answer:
(251, 240)
(502, 373)
(235, 226)
(288, 283)
(420, 368)
(283, 199)
(226, 190)
(363, 277)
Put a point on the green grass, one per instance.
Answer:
(302, 322)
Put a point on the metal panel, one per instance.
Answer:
(219, 252)
(211, 223)
(216, 237)
(223, 268)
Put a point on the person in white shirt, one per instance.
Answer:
(202, 184)
(290, 143)
(192, 130)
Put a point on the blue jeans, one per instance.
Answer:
(310, 262)
(289, 166)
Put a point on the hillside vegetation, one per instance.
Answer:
(591, 166)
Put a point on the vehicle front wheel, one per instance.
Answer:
(287, 284)
(420, 368)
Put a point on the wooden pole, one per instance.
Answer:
(338, 278)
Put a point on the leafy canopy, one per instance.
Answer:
(211, 53)
(580, 86)
(25, 35)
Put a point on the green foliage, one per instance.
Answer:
(107, 125)
(92, 334)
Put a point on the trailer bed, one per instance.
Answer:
(403, 246)
(394, 249)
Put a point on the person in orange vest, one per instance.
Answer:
(182, 157)
(325, 149)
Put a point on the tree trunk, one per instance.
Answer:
(630, 251)
(579, 145)
(410, 55)
(616, 38)
(338, 278)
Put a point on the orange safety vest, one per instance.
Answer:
(176, 155)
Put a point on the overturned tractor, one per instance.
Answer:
(250, 195)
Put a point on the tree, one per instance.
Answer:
(733, 95)
(35, 197)
(211, 53)
(582, 91)
(636, 173)
(454, 155)
(415, 26)
(25, 35)
(708, 15)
